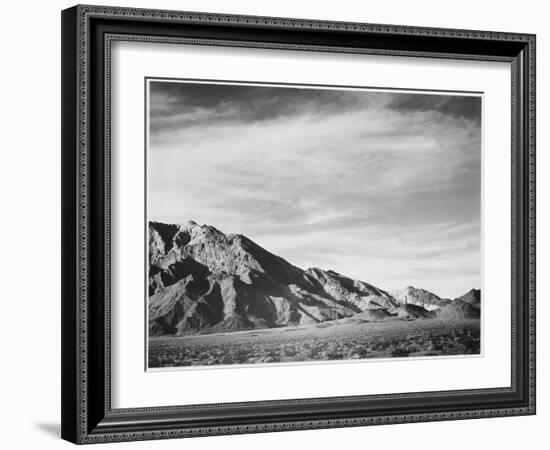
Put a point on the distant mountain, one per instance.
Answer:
(466, 307)
(202, 280)
(473, 297)
(419, 297)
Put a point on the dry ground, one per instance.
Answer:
(336, 340)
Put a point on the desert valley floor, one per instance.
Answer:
(335, 340)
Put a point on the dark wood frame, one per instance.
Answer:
(87, 32)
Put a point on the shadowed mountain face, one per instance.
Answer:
(202, 280)
(466, 307)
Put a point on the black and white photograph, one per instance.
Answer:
(293, 223)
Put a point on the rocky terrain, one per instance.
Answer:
(345, 339)
(420, 297)
(204, 281)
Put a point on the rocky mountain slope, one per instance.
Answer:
(419, 297)
(202, 280)
(468, 306)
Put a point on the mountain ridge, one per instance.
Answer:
(202, 280)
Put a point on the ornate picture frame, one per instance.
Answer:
(88, 33)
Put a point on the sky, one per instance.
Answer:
(384, 187)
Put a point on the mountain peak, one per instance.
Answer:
(222, 253)
(192, 225)
(473, 297)
(419, 297)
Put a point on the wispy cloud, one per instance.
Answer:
(365, 183)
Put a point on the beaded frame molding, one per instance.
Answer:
(87, 35)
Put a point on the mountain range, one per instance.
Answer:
(202, 280)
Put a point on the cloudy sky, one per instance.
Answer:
(379, 186)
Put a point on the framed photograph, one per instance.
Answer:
(277, 224)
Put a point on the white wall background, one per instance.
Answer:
(30, 229)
